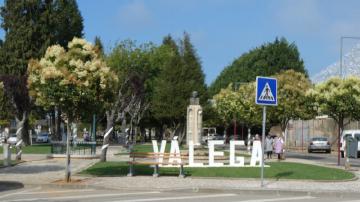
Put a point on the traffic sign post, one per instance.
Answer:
(266, 95)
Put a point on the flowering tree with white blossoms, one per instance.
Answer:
(73, 80)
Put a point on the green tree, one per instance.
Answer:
(240, 103)
(99, 46)
(30, 27)
(268, 59)
(339, 99)
(5, 107)
(192, 64)
(73, 80)
(292, 101)
(180, 75)
(65, 20)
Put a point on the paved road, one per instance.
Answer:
(322, 158)
(90, 195)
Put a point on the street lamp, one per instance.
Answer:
(342, 77)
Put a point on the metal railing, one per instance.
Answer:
(77, 148)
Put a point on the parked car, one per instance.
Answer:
(346, 133)
(43, 137)
(319, 144)
(12, 139)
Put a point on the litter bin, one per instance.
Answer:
(352, 147)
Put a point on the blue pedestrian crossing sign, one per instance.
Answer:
(266, 91)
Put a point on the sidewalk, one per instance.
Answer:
(40, 171)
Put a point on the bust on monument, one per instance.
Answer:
(194, 100)
(194, 120)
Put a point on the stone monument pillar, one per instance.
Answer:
(194, 120)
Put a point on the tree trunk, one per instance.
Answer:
(23, 123)
(182, 134)
(67, 162)
(109, 124)
(22, 134)
(131, 131)
(57, 132)
(340, 129)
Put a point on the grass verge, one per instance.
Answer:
(33, 149)
(277, 170)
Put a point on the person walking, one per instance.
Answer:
(279, 146)
(269, 145)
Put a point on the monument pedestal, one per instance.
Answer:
(194, 121)
(7, 154)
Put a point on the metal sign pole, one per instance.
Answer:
(263, 146)
(266, 95)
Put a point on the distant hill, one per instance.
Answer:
(351, 66)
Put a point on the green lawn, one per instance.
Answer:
(277, 170)
(34, 149)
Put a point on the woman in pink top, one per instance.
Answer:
(279, 146)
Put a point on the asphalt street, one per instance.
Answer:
(38, 193)
(90, 195)
(323, 158)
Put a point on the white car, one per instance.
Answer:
(44, 137)
(354, 134)
(12, 139)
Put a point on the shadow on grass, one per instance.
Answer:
(123, 170)
(283, 175)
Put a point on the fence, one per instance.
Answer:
(79, 148)
(300, 132)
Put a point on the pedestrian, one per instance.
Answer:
(269, 144)
(279, 146)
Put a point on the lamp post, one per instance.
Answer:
(342, 77)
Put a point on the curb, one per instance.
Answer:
(258, 191)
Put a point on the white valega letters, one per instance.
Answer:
(256, 154)
(239, 160)
(162, 149)
(213, 153)
(175, 155)
(191, 156)
(234, 161)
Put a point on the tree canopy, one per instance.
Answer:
(180, 75)
(268, 59)
(31, 26)
(73, 80)
(337, 98)
(292, 101)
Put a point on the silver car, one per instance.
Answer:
(319, 144)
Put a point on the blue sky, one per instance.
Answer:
(222, 30)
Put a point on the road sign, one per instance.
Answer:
(266, 91)
(266, 94)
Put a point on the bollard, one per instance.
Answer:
(7, 154)
(182, 174)
(156, 171)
